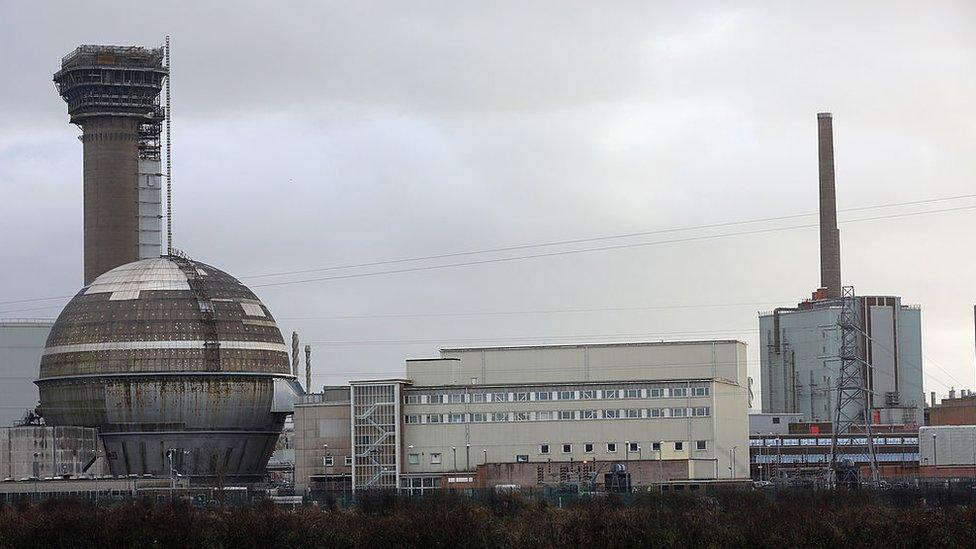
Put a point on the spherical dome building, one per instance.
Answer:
(177, 364)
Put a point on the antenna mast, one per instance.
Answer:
(169, 156)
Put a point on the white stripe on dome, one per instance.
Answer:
(169, 344)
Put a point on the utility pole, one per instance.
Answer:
(853, 396)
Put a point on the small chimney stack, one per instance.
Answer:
(308, 368)
(294, 355)
(934, 403)
(829, 234)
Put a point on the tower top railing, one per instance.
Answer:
(88, 54)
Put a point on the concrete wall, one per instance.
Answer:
(777, 424)
(21, 345)
(578, 363)
(42, 451)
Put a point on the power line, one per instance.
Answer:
(568, 252)
(596, 249)
(600, 238)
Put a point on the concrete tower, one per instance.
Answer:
(113, 95)
(829, 235)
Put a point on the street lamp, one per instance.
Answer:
(467, 457)
(732, 461)
(626, 450)
(485, 450)
(935, 451)
(454, 451)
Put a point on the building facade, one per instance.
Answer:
(799, 349)
(323, 442)
(21, 345)
(42, 451)
(545, 416)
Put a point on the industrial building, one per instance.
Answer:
(800, 346)
(21, 345)
(171, 359)
(952, 410)
(784, 448)
(177, 364)
(112, 93)
(597, 416)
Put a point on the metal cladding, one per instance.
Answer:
(170, 354)
(112, 92)
(829, 235)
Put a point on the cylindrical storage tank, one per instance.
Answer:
(177, 364)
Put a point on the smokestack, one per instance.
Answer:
(933, 398)
(294, 355)
(829, 235)
(308, 368)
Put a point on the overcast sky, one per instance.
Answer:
(310, 135)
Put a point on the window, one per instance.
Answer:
(700, 411)
(633, 393)
(478, 417)
(655, 393)
(699, 391)
(791, 442)
(499, 416)
(679, 392)
(434, 418)
(328, 461)
(633, 447)
(808, 442)
(656, 446)
(565, 395)
(413, 459)
(589, 394)
(456, 398)
(611, 447)
(412, 418)
(588, 414)
(701, 445)
(611, 414)
(521, 397)
(348, 461)
(413, 399)
(679, 412)
(435, 458)
(543, 416)
(588, 447)
(543, 448)
(775, 421)
(544, 395)
(522, 458)
(611, 393)
(477, 397)
(631, 414)
(567, 448)
(436, 399)
(655, 412)
(499, 397)
(566, 414)
(521, 416)
(679, 446)
(456, 418)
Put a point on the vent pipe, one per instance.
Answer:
(829, 234)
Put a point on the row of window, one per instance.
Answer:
(557, 415)
(533, 396)
(436, 458)
(329, 461)
(824, 458)
(841, 441)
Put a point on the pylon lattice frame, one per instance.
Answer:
(853, 397)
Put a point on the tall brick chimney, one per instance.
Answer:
(829, 235)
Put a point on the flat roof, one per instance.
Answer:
(583, 345)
